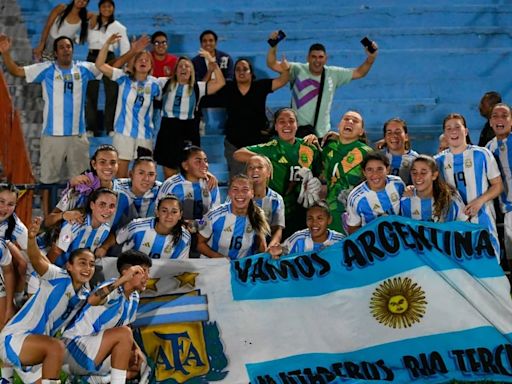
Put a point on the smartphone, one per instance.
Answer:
(280, 36)
(368, 44)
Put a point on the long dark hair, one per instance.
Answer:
(111, 18)
(11, 221)
(442, 192)
(255, 214)
(177, 230)
(84, 22)
(101, 148)
(188, 151)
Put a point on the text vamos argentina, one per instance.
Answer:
(368, 248)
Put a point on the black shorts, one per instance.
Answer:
(173, 136)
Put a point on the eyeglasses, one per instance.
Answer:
(157, 43)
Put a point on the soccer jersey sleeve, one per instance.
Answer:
(66, 236)
(35, 73)
(353, 219)
(5, 255)
(493, 170)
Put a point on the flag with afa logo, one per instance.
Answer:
(400, 301)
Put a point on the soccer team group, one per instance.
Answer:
(299, 188)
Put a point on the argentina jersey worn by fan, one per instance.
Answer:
(419, 208)
(365, 205)
(227, 233)
(19, 233)
(301, 241)
(45, 313)
(134, 110)
(129, 206)
(180, 100)
(5, 255)
(273, 207)
(196, 197)
(501, 149)
(400, 165)
(73, 236)
(141, 235)
(117, 310)
(64, 91)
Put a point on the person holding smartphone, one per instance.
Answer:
(310, 98)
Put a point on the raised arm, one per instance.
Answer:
(137, 46)
(272, 61)
(13, 68)
(284, 76)
(216, 82)
(243, 155)
(101, 64)
(38, 51)
(364, 68)
(37, 258)
(99, 296)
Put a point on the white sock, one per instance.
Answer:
(7, 373)
(117, 376)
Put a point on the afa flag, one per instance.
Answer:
(399, 301)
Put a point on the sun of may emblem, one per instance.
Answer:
(398, 303)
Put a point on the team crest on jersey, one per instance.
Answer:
(468, 163)
(76, 75)
(147, 90)
(306, 155)
(282, 160)
(406, 163)
(249, 229)
(205, 192)
(330, 154)
(394, 197)
(168, 248)
(189, 351)
(503, 147)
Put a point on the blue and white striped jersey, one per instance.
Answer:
(401, 164)
(46, 312)
(129, 206)
(503, 153)
(365, 205)
(5, 254)
(301, 241)
(118, 310)
(229, 234)
(64, 91)
(141, 235)
(73, 236)
(19, 234)
(421, 209)
(196, 198)
(273, 207)
(180, 101)
(134, 110)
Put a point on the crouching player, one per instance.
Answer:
(98, 339)
(28, 338)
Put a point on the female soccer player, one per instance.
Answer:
(289, 156)
(103, 170)
(316, 237)
(13, 231)
(342, 164)
(90, 234)
(191, 186)
(237, 229)
(398, 148)
(377, 196)
(28, 338)
(432, 199)
(473, 171)
(160, 237)
(259, 170)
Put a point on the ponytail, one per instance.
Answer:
(257, 219)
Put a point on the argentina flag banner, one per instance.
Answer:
(399, 301)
